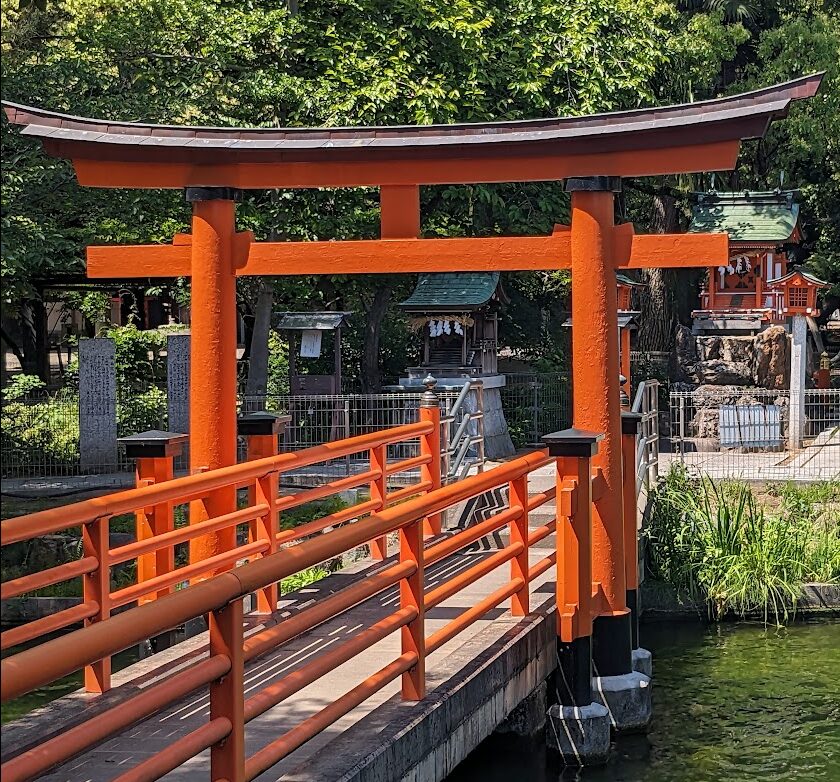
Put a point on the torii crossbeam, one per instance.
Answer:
(590, 153)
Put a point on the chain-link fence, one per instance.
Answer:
(40, 432)
(757, 434)
(535, 405)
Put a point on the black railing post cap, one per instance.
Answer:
(572, 442)
(630, 422)
(153, 444)
(260, 423)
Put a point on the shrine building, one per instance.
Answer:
(760, 286)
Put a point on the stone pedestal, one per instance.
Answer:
(97, 405)
(580, 734)
(643, 662)
(627, 698)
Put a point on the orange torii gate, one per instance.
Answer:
(591, 153)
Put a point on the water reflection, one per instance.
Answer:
(733, 703)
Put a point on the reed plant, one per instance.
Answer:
(718, 543)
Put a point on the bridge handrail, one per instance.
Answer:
(41, 665)
(191, 487)
(97, 558)
(222, 597)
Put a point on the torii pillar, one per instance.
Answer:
(597, 407)
(214, 246)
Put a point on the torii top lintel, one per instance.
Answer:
(683, 138)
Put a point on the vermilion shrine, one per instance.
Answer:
(759, 285)
(592, 154)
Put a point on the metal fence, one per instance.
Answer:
(746, 434)
(40, 432)
(317, 419)
(535, 405)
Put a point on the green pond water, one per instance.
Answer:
(731, 703)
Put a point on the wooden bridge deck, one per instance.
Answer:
(118, 754)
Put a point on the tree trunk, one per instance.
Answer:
(371, 380)
(257, 382)
(660, 311)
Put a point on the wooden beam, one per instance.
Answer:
(672, 251)
(501, 166)
(407, 256)
(372, 256)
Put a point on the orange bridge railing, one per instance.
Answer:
(156, 605)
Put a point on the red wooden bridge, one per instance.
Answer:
(593, 566)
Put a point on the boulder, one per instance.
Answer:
(724, 348)
(717, 372)
(771, 358)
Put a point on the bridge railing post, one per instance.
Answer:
(518, 533)
(430, 445)
(574, 450)
(154, 453)
(262, 432)
(413, 634)
(227, 694)
(96, 588)
(378, 494)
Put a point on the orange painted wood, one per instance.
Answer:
(32, 763)
(499, 167)
(212, 365)
(96, 588)
(413, 634)
(378, 495)
(265, 527)
(430, 473)
(408, 256)
(519, 535)
(154, 521)
(673, 251)
(370, 256)
(227, 694)
(400, 211)
(595, 365)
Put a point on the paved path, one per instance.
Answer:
(118, 754)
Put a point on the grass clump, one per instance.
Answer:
(717, 542)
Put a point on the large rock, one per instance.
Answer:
(728, 349)
(771, 358)
(718, 372)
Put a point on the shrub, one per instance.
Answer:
(715, 541)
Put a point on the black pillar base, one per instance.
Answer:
(573, 676)
(611, 645)
(633, 604)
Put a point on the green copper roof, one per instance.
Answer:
(452, 291)
(747, 217)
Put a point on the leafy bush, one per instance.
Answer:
(36, 427)
(715, 541)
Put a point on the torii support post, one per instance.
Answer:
(213, 356)
(597, 406)
(580, 728)
(630, 422)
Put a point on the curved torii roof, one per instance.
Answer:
(672, 139)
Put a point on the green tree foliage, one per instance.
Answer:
(365, 61)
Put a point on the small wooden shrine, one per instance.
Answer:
(305, 331)
(457, 315)
(760, 285)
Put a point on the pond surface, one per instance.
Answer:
(731, 703)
